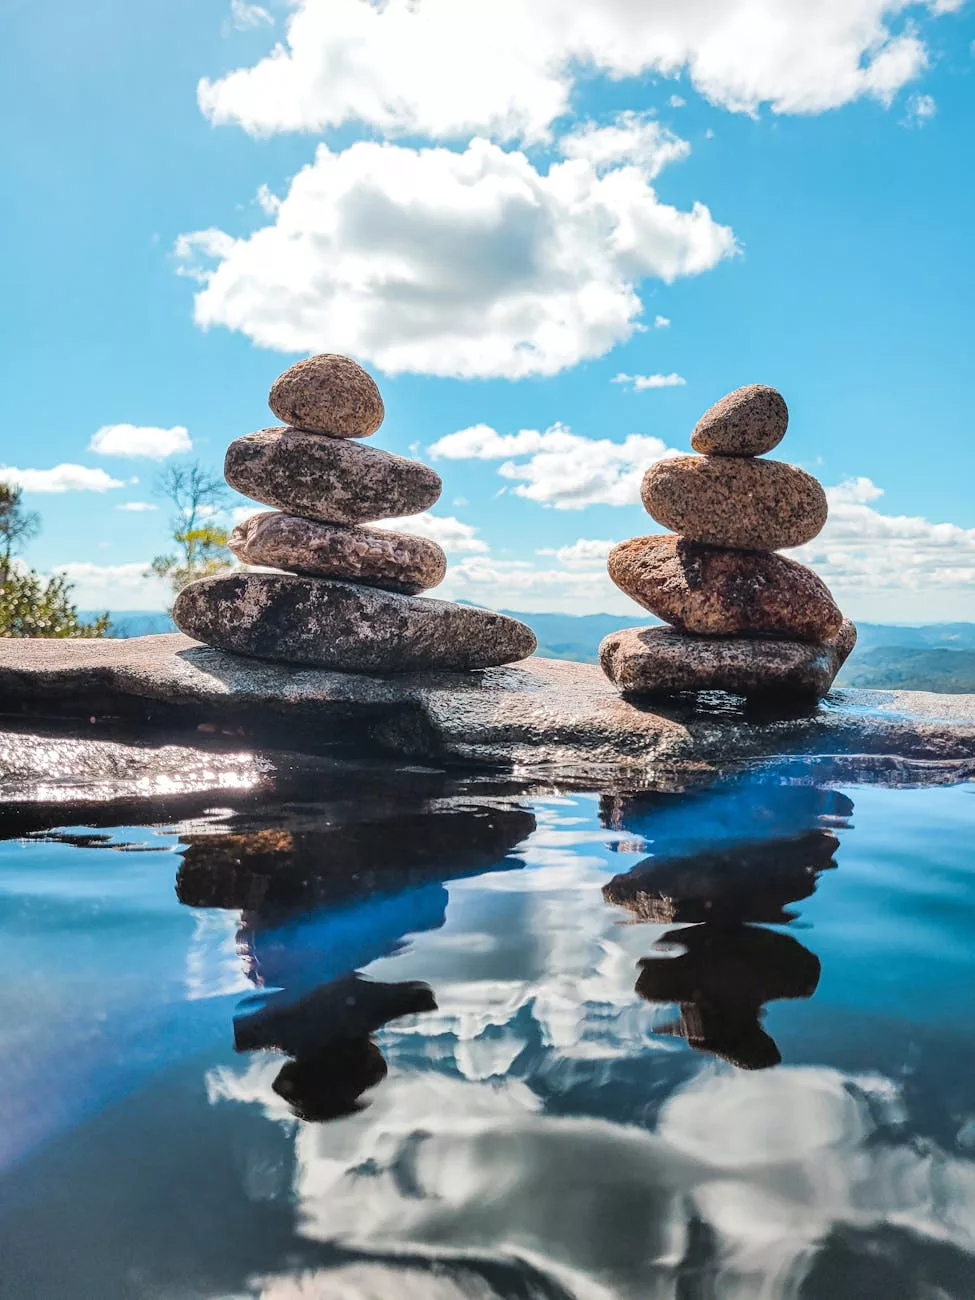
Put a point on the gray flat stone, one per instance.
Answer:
(655, 661)
(344, 626)
(330, 479)
(538, 716)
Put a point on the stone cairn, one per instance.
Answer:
(347, 597)
(742, 618)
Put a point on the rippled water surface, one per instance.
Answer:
(405, 1038)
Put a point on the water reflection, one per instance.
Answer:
(329, 1032)
(722, 981)
(730, 862)
(322, 894)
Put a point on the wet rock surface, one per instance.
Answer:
(345, 627)
(328, 394)
(714, 591)
(327, 479)
(541, 715)
(377, 556)
(748, 422)
(661, 661)
(736, 502)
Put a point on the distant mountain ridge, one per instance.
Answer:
(929, 657)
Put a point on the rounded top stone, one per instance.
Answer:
(328, 394)
(747, 422)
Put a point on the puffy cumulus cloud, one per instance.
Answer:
(507, 68)
(520, 585)
(136, 507)
(640, 383)
(863, 551)
(114, 586)
(632, 138)
(62, 478)
(452, 534)
(586, 553)
(467, 264)
(558, 467)
(139, 440)
(661, 322)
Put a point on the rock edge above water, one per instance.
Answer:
(541, 715)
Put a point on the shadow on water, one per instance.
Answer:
(725, 864)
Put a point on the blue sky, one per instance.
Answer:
(499, 208)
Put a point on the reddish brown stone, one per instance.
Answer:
(748, 422)
(763, 505)
(377, 556)
(717, 592)
(328, 394)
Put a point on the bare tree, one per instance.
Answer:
(196, 496)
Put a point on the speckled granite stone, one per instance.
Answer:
(327, 479)
(716, 592)
(377, 556)
(748, 422)
(343, 626)
(763, 505)
(662, 661)
(328, 394)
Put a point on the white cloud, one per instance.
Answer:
(920, 109)
(586, 553)
(140, 440)
(640, 383)
(517, 584)
(239, 513)
(136, 507)
(245, 16)
(661, 322)
(562, 469)
(869, 556)
(452, 534)
(114, 586)
(632, 138)
(676, 101)
(508, 67)
(62, 478)
(463, 264)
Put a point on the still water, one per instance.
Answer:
(405, 1037)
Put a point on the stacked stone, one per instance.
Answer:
(742, 618)
(346, 598)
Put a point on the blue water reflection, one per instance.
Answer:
(495, 1043)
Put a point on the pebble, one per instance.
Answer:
(343, 626)
(661, 661)
(717, 592)
(724, 501)
(327, 479)
(748, 422)
(377, 556)
(328, 394)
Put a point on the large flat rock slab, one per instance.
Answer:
(534, 715)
